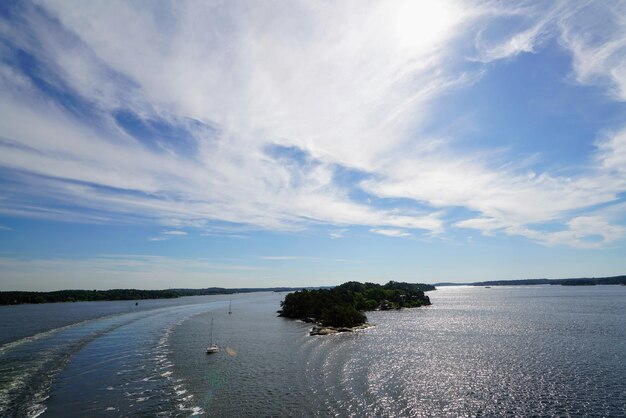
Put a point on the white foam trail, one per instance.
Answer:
(13, 344)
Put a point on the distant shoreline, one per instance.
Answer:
(581, 281)
(77, 295)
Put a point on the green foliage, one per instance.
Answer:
(342, 316)
(343, 306)
(409, 287)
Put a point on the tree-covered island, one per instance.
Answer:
(342, 307)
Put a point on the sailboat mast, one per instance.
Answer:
(212, 348)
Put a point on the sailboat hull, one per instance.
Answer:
(212, 348)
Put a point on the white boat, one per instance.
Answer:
(212, 347)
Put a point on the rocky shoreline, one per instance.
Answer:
(322, 330)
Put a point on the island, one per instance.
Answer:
(341, 309)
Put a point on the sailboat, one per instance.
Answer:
(212, 348)
(230, 307)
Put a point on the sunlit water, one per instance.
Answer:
(504, 351)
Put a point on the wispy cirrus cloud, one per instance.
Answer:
(598, 45)
(117, 271)
(113, 112)
(391, 232)
(338, 233)
(174, 232)
(288, 258)
(506, 32)
(299, 258)
(167, 234)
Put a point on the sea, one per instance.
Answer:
(541, 351)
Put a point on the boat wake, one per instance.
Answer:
(121, 362)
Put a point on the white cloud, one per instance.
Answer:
(167, 234)
(304, 258)
(390, 232)
(526, 28)
(123, 271)
(611, 154)
(223, 235)
(597, 44)
(285, 100)
(174, 232)
(338, 233)
(581, 232)
(287, 257)
(347, 84)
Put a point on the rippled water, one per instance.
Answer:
(549, 351)
(504, 351)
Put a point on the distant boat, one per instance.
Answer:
(212, 348)
(230, 307)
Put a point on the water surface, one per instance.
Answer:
(507, 351)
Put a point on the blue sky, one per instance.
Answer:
(185, 144)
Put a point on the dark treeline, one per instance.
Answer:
(16, 298)
(577, 283)
(582, 281)
(343, 306)
(11, 298)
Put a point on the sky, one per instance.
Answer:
(194, 144)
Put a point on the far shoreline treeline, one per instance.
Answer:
(19, 297)
(77, 295)
(581, 281)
